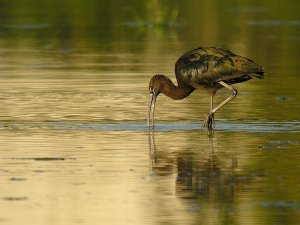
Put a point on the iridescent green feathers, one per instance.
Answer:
(207, 66)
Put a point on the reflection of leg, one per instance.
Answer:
(211, 143)
(212, 116)
(209, 122)
(232, 96)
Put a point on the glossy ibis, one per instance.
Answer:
(207, 68)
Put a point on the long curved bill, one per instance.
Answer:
(151, 109)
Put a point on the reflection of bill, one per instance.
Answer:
(151, 143)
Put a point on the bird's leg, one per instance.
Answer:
(232, 96)
(209, 122)
(212, 115)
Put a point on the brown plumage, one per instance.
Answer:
(207, 68)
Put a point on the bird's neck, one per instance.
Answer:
(176, 92)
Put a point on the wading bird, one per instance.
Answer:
(207, 68)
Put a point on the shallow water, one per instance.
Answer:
(74, 143)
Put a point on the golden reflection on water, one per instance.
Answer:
(75, 177)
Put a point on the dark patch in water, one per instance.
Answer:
(10, 198)
(43, 158)
(282, 98)
(44, 171)
(17, 179)
(49, 159)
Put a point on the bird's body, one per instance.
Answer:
(207, 68)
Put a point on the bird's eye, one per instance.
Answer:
(151, 90)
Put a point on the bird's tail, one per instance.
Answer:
(254, 69)
(260, 73)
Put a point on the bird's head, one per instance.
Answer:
(156, 84)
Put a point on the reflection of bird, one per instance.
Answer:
(204, 68)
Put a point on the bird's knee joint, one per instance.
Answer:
(234, 92)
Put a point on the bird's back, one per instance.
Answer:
(205, 67)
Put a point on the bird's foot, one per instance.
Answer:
(209, 122)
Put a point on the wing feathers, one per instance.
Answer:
(210, 65)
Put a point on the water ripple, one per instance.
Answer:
(230, 126)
